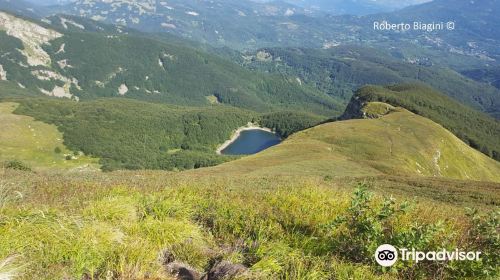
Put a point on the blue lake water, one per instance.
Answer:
(251, 142)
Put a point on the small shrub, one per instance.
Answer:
(365, 226)
(483, 235)
(368, 223)
(17, 165)
(57, 150)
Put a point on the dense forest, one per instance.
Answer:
(286, 123)
(94, 64)
(475, 128)
(128, 134)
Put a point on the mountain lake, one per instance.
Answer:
(251, 141)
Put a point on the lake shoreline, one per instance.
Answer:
(237, 133)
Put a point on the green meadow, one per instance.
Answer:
(36, 144)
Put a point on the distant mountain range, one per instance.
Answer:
(354, 7)
(250, 25)
(49, 2)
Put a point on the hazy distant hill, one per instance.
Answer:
(49, 2)
(22, 7)
(247, 24)
(354, 7)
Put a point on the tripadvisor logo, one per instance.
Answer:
(387, 255)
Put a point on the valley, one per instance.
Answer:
(253, 139)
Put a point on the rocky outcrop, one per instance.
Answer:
(219, 269)
(225, 270)
(353, 110)
(33, 37)
(182, 271)
(3, 74)
(360, 108)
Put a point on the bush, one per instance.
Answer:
(364, 226)
(368, 224)
(483, 236)
(17, 165)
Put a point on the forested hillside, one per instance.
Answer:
(127, 134)
(84, 60)
(116, 144)
(341, 70)
(489, 75)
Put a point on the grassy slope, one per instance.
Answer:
(477, 129)
(101, 224)
(399, 143)
(288, 226)
(34, 142)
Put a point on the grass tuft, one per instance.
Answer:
(10, 268)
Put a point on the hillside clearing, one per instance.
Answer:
(34, 143)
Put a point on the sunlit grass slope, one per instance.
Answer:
(477, 129)
(399, 143)
(117, 226)
(37, 144)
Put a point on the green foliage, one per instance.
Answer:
(488, 75)
(171, 72)
(287, 123)
(127, 134)
(480, 131)
(483, 236)
(16, 165)
(167, 70)
(366, 225)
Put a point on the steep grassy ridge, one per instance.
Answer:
(475, 128)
